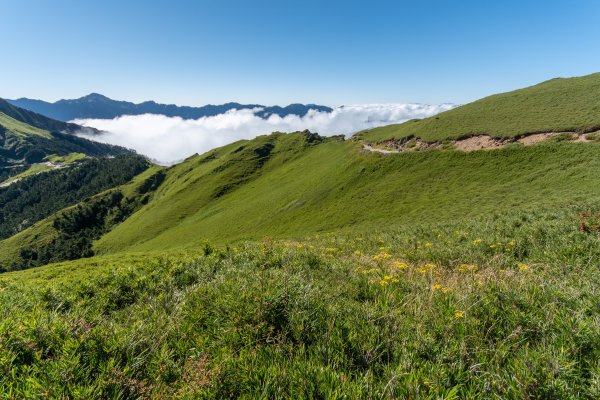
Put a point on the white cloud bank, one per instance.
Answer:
(170, 139)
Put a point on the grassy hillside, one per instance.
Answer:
(556, 105)
(503, 306)
(29, 200)
(296, 266)
(21, 128)
(27, 138)
(36, 120)
(298, 189)
(68, 234)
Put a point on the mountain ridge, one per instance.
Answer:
(98, 106)
(28, 138)
(556, 105)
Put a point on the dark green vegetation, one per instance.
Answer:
(96, 105)
(69, 234)
(425, 275)
(502, 307)
(27, 138)
(29, 200)
(557, 105)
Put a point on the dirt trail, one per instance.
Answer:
(371, 148)
(473, 143)
(479, 143)
(8, 183)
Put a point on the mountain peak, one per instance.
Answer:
(94, 96)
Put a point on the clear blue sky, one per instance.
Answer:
(276, 52)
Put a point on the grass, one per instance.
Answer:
(20, 128)
(43, 232)
(334, 186)
(43, 167)
(66, 159)
(294, 267)
(557, 105)
(503, 306)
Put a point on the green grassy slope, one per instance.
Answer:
(503, 306)
(333, 186)
(28, 138)
(556, 105)
(21, 128)
(423, 275)
(36, 120)
(48, 242)
(35, 196)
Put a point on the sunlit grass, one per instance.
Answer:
(558, 105)
(500, 307)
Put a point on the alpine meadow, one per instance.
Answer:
(455, 256)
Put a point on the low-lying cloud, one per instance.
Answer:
(170, 139)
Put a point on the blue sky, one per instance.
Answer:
(277, 52)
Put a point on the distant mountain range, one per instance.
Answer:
(98, 106)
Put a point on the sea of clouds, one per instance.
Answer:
(171, 139)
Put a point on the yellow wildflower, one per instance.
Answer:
(523, 267)
(467, 268)
(383, 282)
(459, 314)
(387, 277)
(400, 265)
(476, 241)
(436, 286)
(382, 256)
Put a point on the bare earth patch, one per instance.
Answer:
(535, 138)
(479, 143)
(582, 138)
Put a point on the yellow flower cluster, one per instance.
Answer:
(523, 267)
(467, 268)
(426, 268)
(443, 289)
(387, 279)
(382, 256)
(459, 314)
(400, 265)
